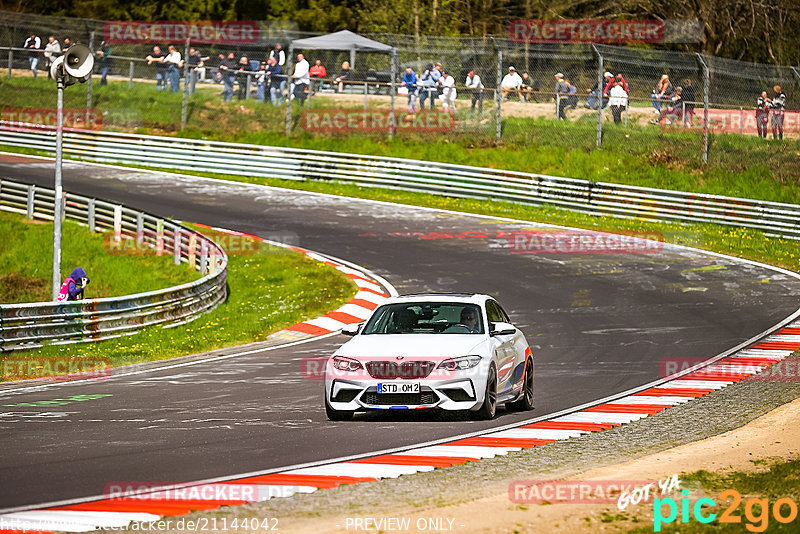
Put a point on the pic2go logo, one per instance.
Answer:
(756, 511)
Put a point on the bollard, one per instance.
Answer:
(139, 228)
(203, 257)
(192, 250)
(159, 237)
(91, 215)
(130, 76)
(176, 247)
(117, 223)
(31, 200)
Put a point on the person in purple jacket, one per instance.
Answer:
(72, 288)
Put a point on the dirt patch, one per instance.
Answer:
(15, 287)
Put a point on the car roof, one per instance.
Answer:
(474, 298)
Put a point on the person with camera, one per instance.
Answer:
(73, 286)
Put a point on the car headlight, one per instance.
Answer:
(458, 364)
(341, 363)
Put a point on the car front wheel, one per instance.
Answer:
(489, 407)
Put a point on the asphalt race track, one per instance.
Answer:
(599, 324)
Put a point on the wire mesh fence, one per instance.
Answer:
(422, 88)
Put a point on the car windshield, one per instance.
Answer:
(426, 318)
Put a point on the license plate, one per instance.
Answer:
(399, 387)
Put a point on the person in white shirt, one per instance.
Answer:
(511, 83)
(51, 51)
(618, 101)
(448, 95)
(475, 85)
(300, 78)
(278, 54)
(34, 43)
(174, 64)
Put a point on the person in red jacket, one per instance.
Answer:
(317, 71)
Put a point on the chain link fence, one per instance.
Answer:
(677, 103)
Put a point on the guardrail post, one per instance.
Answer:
(139, 228)
(10, 62)
(31, 200)
(90, 215)
(130, 75)
(212, 260)
(193, 250)
(366, 92)
(117, 223)
(159, 237)
(741, 121)
(176, 246)
(706, 83)
(203, 257)
(247, 88)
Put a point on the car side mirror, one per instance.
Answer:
(502, 329)
(351, 329)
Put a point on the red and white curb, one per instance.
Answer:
(372, 291)
(210, 495)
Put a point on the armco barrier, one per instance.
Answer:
(597, 198)
(28, 325)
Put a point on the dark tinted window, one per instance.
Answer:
(426, 318)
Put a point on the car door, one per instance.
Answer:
(503, 348)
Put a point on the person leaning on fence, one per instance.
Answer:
(617, 101)
(448, 96)
(687, 100)
(157, 57)
(428, 80)
(242, 74)
(174, 65)
(762, 114)
(526, 89)
(73, 286)
(560, 97)
(510, 84)
(345, 74)
(300, 79)
(572, 94)
(409, 84)
(616, 79)
(34, 43)
(195, 62)
(663, 92)
(673, 110)
(475, 87)
(276, 82)
(777, 105)
(51, 51)
(103, 60)
(594, 100)
(319, 72)
(227, 69)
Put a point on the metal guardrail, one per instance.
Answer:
(29, 325)
(597, 198)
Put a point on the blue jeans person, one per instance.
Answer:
(412, 99)
(261, 91)
(161, 79)
(174, 76)
(656, 102)
(34, 61)
(227, 92)
(427, 92)
(193, 75)
(104, 74)
(276, 93)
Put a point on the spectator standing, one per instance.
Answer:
(688, 100)
(663, 91)
(762, 114)
(448, 96)
(777, 105)
(526, 89)
(261, 79)
(300, 79)
(594, 99)
(475, 86)
(195, 62)
(561, 92)
(511, 83)
(227, 69)
(174, 65)
(51, 51)
(319, 72)
(157, 57)
(278, 54)
(242, 75)
(409, 81)
(617, 79)
(103, 59)
(66, 45)
(34, 43)
(428, 81)
(345, 74)
(73, 286)
(276, 82)
(618, 101)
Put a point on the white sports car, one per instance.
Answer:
(448, 351)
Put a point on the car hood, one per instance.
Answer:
(411, 345)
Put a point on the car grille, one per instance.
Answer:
(406, 370)
(407, 399)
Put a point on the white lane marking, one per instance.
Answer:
(354, 309)
(459, 451)
(696, 384)
(327, 323)
(370, 297)
(538, 433)
(600, 417)
(654, 399)
(783, 338)
(772, 354)
(361, 470)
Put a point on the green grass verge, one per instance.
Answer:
(743, 166)
(780, 480)
(26, 262)
(268, 291)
